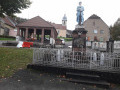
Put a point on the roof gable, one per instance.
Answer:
(8, 21)
(35, 22)
(59, 26)
(94, 17)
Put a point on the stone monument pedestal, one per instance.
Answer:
(79, 39)
(110, 45)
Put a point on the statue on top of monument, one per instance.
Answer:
(80, 18)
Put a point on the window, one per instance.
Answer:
(101, 31)
(101, 39)
(64, 22)
(15, 29)
(95, 38)
(6, 31)
(88, 38)
(93, 23)
(95, 31)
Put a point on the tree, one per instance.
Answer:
(115, 32)
(19, 19)
(10, 7)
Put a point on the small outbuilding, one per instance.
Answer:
(36, 29)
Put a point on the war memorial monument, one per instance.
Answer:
(79, 34)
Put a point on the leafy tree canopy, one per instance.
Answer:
(10, 7)
(115, 32)
(19, 19)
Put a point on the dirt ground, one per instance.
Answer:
(36, 80)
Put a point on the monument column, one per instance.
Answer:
(42, 36)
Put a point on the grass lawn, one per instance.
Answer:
(66, 39)
(13, 59)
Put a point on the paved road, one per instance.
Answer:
(68, 44)
(36, 80)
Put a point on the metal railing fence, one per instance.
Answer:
(77, 60)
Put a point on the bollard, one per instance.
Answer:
(102, 59)
(94, 57)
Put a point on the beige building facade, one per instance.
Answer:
(61, 30)
(61, 33)
(97, 29)
(7, 27)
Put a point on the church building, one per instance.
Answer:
(61, 28)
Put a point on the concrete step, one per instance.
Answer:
(101, 84)
(83, 76)
(86, 78)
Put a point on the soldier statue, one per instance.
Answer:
(80, 18)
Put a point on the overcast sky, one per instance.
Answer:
(54, 10)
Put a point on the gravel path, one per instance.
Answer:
(36, 80)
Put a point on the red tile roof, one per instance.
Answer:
(35, 22)
(59, 26)
(8, 22)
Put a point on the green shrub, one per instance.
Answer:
(3, 36)
(68, 39)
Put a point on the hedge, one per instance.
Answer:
(3, 36)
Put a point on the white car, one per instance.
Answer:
(70, 46)
(63, 41)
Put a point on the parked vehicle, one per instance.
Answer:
(63, 41)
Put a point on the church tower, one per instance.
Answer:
(64, 20)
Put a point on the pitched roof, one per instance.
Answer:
(59, 26)
(8, 21)
(94, 17)
(35, 22)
